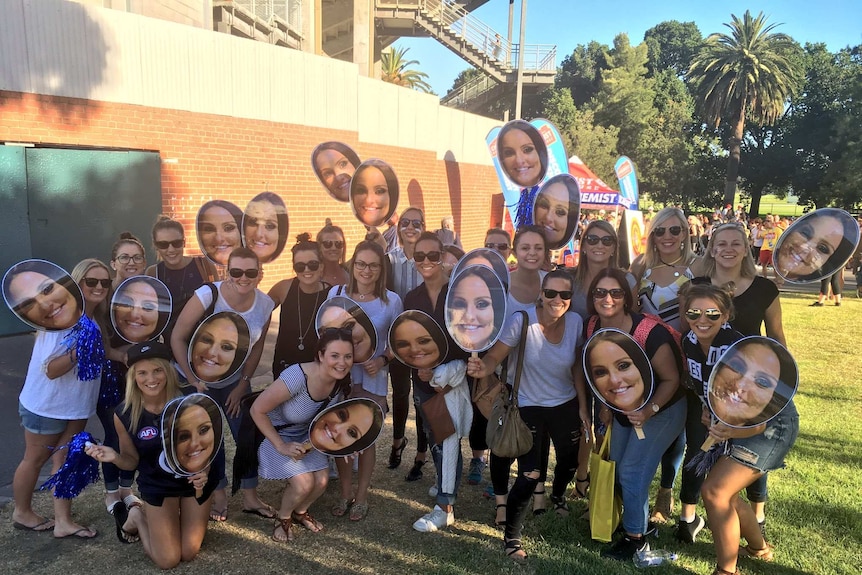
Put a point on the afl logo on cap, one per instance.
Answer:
(149, 432)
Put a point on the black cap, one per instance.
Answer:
(148, 350)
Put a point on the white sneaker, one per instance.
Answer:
(432, 491)
(437, 519)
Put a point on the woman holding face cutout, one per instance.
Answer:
(522, 152)
(661, 420)
(140, 309)
(474, 308)
(264, 226)
(334, 164)
(367, 287)
(373, 192)
(219, 347)
(347, 427)
(816, 245)
(218, 226)
(556, 209)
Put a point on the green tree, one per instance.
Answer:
(747, 75)
(580, 72)
(672, 45)
(395, 69)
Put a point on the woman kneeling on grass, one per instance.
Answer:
(171, 522)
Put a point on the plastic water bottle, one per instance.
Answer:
(653, 558)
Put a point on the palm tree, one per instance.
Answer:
(749, 74)
(394, 69)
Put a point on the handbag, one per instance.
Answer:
(507, 434)
(605, 503)
(435, 412)
(487, 389)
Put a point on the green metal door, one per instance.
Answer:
(14, 226)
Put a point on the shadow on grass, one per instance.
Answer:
(819, 448)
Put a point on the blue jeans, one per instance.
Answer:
(638, 459)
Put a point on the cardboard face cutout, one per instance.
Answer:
(374, 192)
(754, 379)
(816, 245)
(334, 164)
(347, 427)
(487, 257)
(523, 153)
(218, 228)
(343, 312)
(475, 308)
(43, 295)
(219, 347)
(557, 209)
(265, 226)
(140, 308)
(191, 433)
(417, 340)
(618, 370)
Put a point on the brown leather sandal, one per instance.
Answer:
(720, 571)
(765, 554)
(285, 523)
(307, 521)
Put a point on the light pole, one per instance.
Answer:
(519, 86)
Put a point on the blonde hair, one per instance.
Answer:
(100, 314)
(748, 268)
(651, 257)
(134, 403)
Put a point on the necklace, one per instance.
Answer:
(672, 265)
(301, 346)
(362, 296)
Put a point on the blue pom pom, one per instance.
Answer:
(87, 340)
(78, 471)
(110, 390)
(704, 460)
(524, 213)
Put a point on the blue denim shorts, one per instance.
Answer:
(40, 425)
(766, 451)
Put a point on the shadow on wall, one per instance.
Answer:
(51, 48)
(453, 181)
(414, 197)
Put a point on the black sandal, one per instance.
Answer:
(499, 523)
(513, 546)
(582, 493)
(415, 473)
(540, 510)
(395, 454)
(561, 506)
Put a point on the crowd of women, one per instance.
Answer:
(713, 299)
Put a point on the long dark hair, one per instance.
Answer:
(327, 336)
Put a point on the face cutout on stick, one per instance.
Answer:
(343, 312)
(475, 308)
(417, 340)
(218, 228)
(191, 433)
(334, 164)
(140, 308)
(816, 245)
(43, 295)
(219, 347)
(265, 226)
(523, 153)
(618, 370)
(487, 257)
(557, 209)
(752, 382)
(347, 427)
(374, 192)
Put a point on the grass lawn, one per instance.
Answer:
(814, 514)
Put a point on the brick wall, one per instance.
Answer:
(222, 157)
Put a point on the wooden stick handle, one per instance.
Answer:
(710, 441)
(639, 431)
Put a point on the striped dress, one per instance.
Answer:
(663, 301)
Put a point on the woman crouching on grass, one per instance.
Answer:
(171, 522)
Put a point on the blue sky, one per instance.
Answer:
(567, 23)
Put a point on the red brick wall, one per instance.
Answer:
(221, 157)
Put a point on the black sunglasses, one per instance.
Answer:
(499, 247)
(173, 244)
(674, 231)
(565, 295)
(417, 224)
(93, 282)
(594, 240)
(327, 244)
(343, 331)
(602, 293)
(299, 267)
(361, 265)
(238, 273)
(432, 256)
(711, 314)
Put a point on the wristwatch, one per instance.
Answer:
(655, 407)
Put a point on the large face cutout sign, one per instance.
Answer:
(218, 228)
(264, 226)
(487, 257)
(219, 347)
(523, 153)
(43, 295)
(557, 209)
(417, 340)
(334, 164)
(191, 433)
(475, 308)
(347, 427)
(816, 245)
(752, 382)
(343, 312)
(140, 308)
(618, 371)
(374, 192)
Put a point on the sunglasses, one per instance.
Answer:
(361, 265)
(674, 231)
(419, 257)
(606, 240)
(498, 247)
(93, 282)
(417, 224)
(602, 293)
(711, 314)
(343, 331)
(124, 259)
(299, 267)
(565, 295)
(173, 244)
(238, 273)
(327, 244)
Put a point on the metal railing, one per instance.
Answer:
(468, 91)
(290, 11)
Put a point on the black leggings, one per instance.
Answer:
(834, 281)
